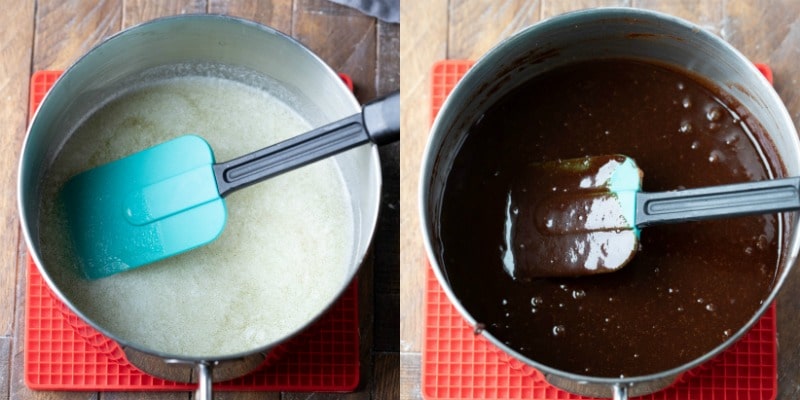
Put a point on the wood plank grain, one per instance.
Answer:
(67, 29)
(147, 396)
(707, 14)
(388, 76)
(788, 303)
(324, 396)
(769, 31)
(366, 321)
(16, 41)
(135, 12)
(245, 396)
(387, 236)
(21, 392)
(554, 7)
(343, 37)
(386, 275)
(423, 40)
(387, 365)
(476, 27)
(5, 366)
(360, 395)
(757, 28)
(410, 376)
(386, 337)
(277, 13)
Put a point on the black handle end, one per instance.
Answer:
(382, 119)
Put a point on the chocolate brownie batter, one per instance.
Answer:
(577, 226)
(687, 289)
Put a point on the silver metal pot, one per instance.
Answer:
(592, 34)
(131, 57)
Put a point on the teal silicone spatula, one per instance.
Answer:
(592, 225)
(168, 199)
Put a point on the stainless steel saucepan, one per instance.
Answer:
(136, 55)
(586, 35)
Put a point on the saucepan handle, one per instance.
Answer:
(203, 375)
(620, 392)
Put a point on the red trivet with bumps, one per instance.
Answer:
(457, 365)
(63, 353)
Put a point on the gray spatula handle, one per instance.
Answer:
(718, 201)
(378, 122)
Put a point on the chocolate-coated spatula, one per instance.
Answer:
(168, 199)
(592, 220)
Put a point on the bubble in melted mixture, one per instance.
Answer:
(713, 114)
(686, 127)
(559, 330)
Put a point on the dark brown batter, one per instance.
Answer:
(688, 288)
(577, 224)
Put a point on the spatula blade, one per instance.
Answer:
(579, 222)
(140, 209)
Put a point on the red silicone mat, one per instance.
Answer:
(324, 358)
(457, 365)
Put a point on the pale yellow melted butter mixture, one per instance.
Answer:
(284, 253)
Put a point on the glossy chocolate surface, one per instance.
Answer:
(688, 288)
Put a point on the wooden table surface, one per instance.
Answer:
(764, 30)
(51, 34)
